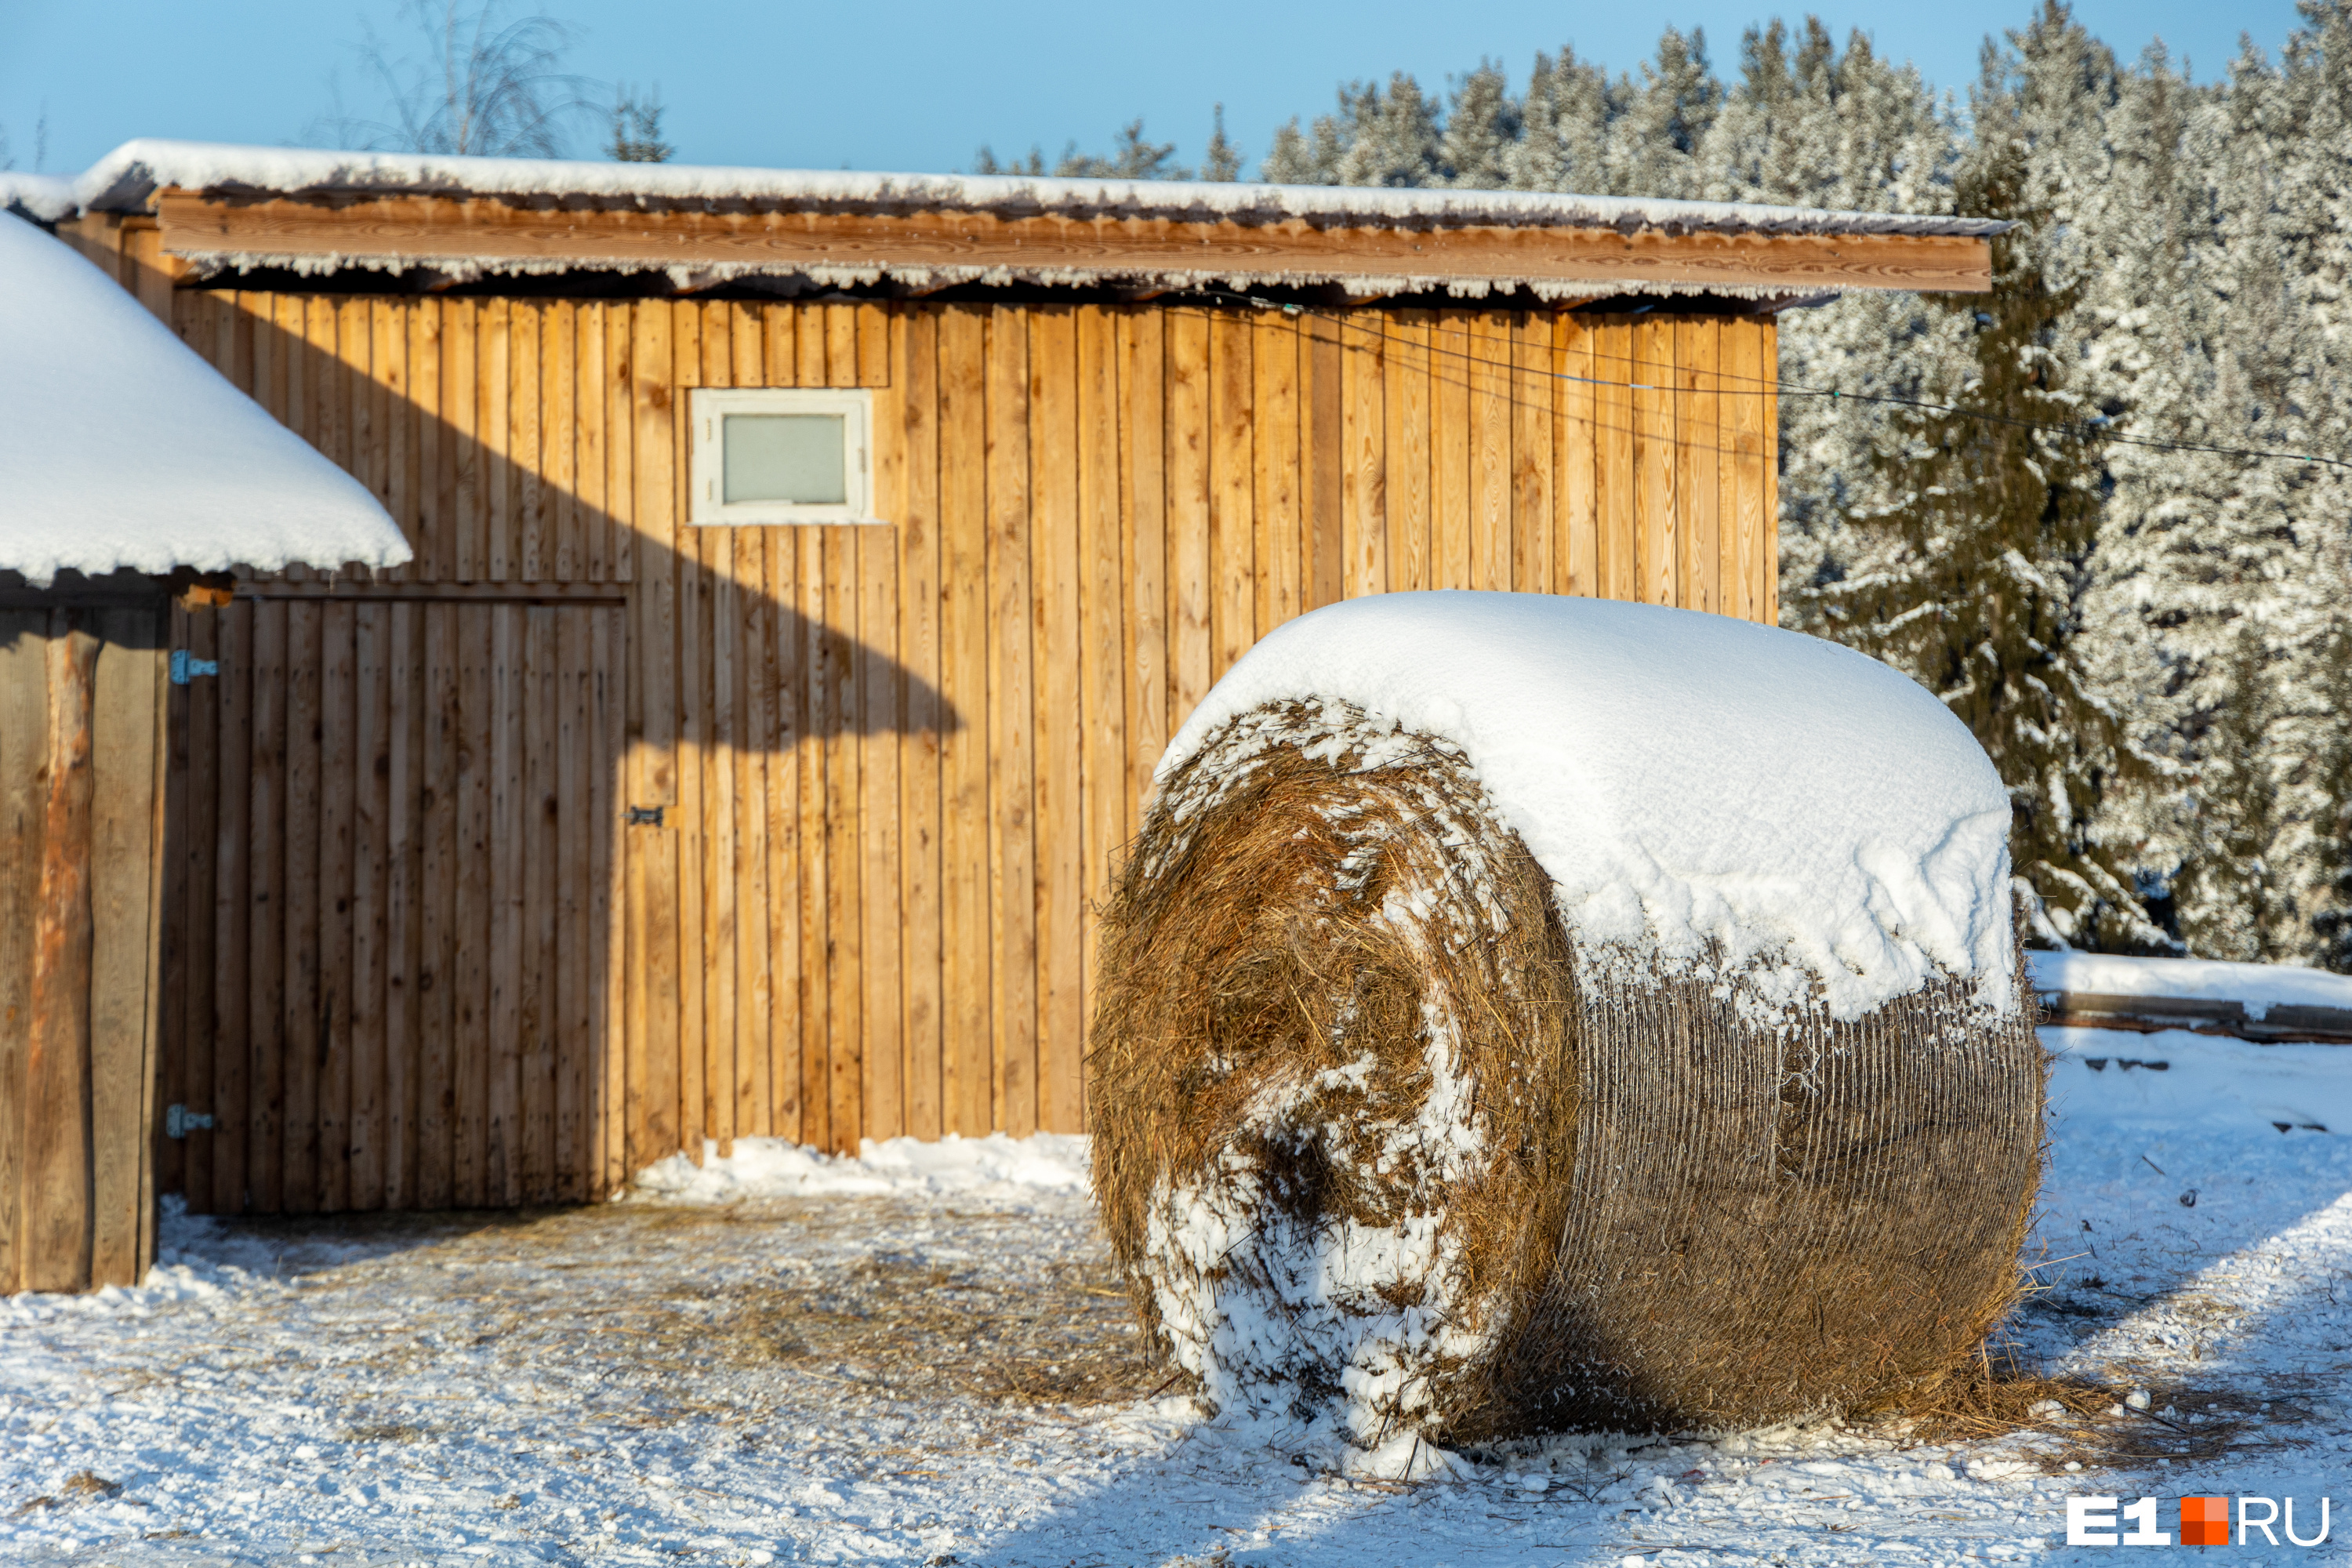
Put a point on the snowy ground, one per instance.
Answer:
(923, 1358)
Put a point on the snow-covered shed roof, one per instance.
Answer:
(233, 207)
(121, 449)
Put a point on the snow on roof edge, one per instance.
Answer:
(46, 197)
(126, 178)
(466, 269)
(120, 448)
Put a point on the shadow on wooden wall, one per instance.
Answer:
(493, 874)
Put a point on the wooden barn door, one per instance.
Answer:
(389, 959)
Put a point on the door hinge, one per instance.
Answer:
(645, 816)
(179, 1121)
(185, 666)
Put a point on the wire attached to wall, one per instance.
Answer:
(2094, 428)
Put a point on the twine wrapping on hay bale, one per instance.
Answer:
(1392, 1146)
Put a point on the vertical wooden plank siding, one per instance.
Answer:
(1619, 572)
(921, 652)
(1409, 387)
(1452, 454)
(1697, 397)
(56, 1165)
(1144, 507)
(1363, 492)
(1102, 670)
(1233, 461)
(1533, 456)
(416, 955)
(24, 749)
(1056, 565)
(967, 1031)
(1012, 705)
(1492, 393)
(1659, 543)
(1187, 405)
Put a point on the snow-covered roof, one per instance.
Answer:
(125, 178)
(120, 448)
(1796, 819)
(231, 208)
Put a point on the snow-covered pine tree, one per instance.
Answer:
(1654, 145)
(1481, 129)
(2331, 921)
(1564, 123)
(1974, 583)
(1221, 164)
(1391, 137)
(1131, 158)
(637, 132)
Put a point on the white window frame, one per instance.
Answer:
(707, 408)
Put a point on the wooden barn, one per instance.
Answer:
(808, 570)
(129, 471)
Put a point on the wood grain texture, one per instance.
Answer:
(1453, 454)
(1657, 507)
(914, 426)
(23, 754)
(1012, 710)
(1410, 395)
(1363, 479)
(1232, 463)
(1697, 435)
(1618, 575)
(1492, 393)
(1056, 565)
(56, 1221)
(1102, 676)
(126, 695)
(1191, 630)
(968, 1104)
(1142, 352)
(1534, 454)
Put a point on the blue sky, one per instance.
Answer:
(920, 86)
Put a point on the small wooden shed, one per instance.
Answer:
(666, 796)
(128, 468)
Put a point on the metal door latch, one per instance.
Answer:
(645, 816)
(179, 1121)
(185, 668)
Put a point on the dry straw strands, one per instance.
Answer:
(1379, 1152)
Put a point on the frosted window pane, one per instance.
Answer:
(795, 458)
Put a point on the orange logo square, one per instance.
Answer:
(2204, 1522)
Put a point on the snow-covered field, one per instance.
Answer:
(923, 1358)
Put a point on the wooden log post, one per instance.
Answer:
(58, 1192)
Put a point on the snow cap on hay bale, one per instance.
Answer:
(1522, 1011)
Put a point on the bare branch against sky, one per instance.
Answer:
(480, 79)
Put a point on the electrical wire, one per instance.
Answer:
(2091, 429)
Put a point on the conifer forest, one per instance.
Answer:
(2118, 540)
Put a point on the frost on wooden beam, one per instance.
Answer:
(497, 237)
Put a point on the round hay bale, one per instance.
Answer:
(1403, 1129)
